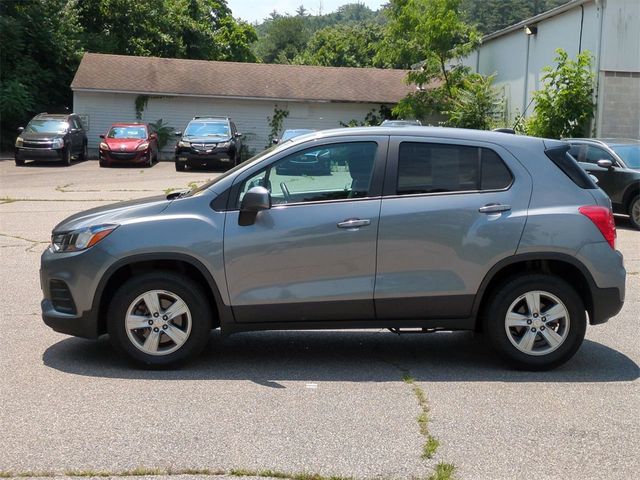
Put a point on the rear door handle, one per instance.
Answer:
(494, 208)
(355, 223)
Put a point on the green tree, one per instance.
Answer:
(435, 31)
(284, 38)
(475, 104)
(564, 105)
(39, 54)
(352, 45)
(196, 29)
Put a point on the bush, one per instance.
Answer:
(564, 104)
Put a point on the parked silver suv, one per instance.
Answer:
(418, 227)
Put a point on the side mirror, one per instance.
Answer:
(153, 135)
(605, 164)
(254, 201)
(275, 141)
(20, 129)
(102, 136)
(177, 134)
(238, 134)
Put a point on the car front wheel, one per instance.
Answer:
(66, 156)
(535, 321)
(634, 212)
(159, 319)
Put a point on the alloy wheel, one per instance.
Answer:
(537, 323)
(158, 322)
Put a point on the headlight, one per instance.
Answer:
(143, 146)
(182, 143)
(104, 146)
(224, 145)
(19, 141)
(57, 143)
(80, 239)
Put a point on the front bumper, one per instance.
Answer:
(123, 158)
(50, 154)
(214, 158)
(76, 275)
(84, 325)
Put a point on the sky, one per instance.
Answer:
(257, 10)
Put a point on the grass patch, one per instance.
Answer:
(431, 443)
(443, 471)
(7, 200)
(149, 472)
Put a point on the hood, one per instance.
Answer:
(124, 144)
(114, 213)
(210, 139)
(40, 136)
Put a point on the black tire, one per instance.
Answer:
(149, 162)
(571, 328)
(102, 164)
(180, 167)
(173, 286)
(19, 162)
(84, 153)
(66, 156)
(634, 212)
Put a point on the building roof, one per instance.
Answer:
(170, 76)
(538, 18)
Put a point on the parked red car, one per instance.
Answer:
(129, 143)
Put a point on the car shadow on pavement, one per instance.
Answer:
(623, 223)
(266, 358)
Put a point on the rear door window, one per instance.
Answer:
(443, 168)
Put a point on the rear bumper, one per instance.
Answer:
(49, 154)
(607, 303)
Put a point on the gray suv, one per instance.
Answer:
(415, 228)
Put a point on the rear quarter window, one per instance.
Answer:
(562, 159)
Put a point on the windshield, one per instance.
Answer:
(253, 159)
(47, 126)
(127, 132)
(630, 154)
(207, 129)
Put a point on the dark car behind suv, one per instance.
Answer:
(52, 137)
(208, 141)
(615, 162)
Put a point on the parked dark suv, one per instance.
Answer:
(208, 141)
(52, 137)
(421, 228)
(615, 162)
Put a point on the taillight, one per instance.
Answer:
(602, 218)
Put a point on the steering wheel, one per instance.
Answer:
(285, 192)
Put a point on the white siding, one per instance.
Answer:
(250, 116)
(621, 38)
(507, 55)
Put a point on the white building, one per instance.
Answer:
(106, 87)
(609, 29)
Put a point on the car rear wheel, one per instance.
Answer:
(159, 319)
(535, 321)
(180, 167)
(19, 162)
(634, 212)
(84, 155)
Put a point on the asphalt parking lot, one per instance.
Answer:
(327, 403)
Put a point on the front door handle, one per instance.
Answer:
(354, 223)
(494, 208)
